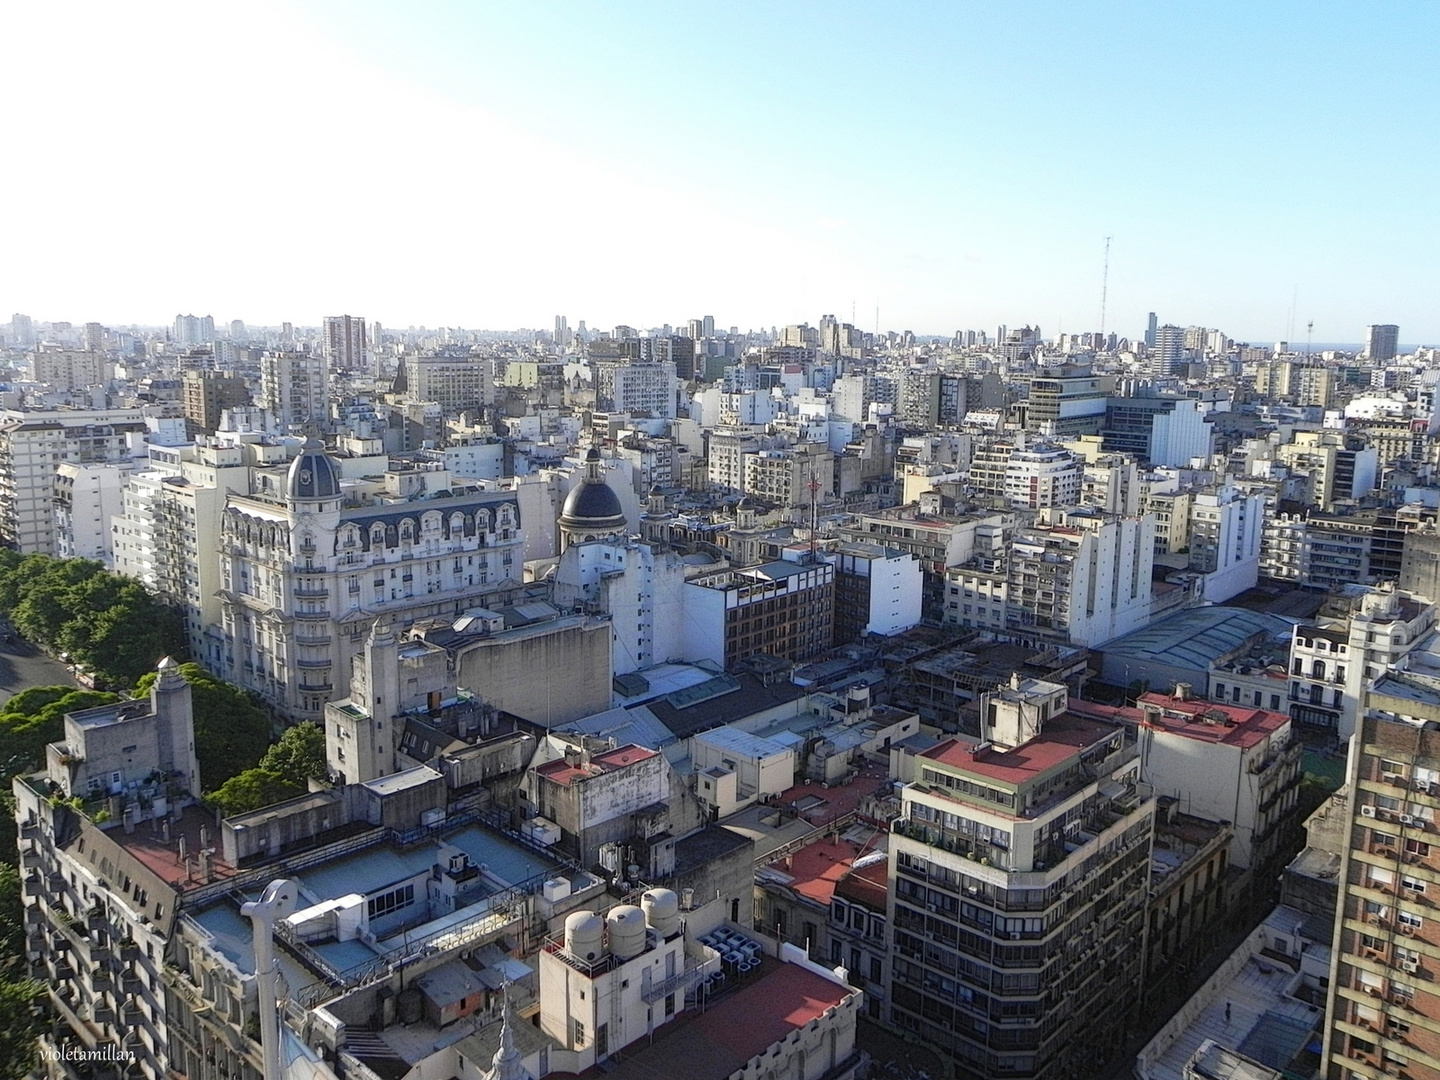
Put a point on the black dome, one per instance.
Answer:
(593, 504)
(312, 475)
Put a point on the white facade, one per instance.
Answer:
(1081, 576)
(32, 446)
(1042, 476)
(760, 766)
(637, 388)
(1226, 532)
(86, 498)
(640, 586)
(1179, 435)
(295, 387)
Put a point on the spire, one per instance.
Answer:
(507, 1063)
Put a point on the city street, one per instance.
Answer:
(23, 665)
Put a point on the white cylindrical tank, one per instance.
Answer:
(627, 931)
(585, 936)
(662, 911)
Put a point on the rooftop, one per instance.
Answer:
(814, 870)
(1063, 738)
(1197, 637)
(1194, 718)
(565, 772)
(722, 1040)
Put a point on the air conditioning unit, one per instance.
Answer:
(1407, 929)
(1393, 778)
(1367, 811)
(1410, 966)
(1406, 819)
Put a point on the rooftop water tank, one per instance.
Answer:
(627, 931)
(585, 936)
(662, 911)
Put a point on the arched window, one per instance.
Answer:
(1317, 669)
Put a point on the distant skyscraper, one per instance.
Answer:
(709, 325)
(562, 331)
(1151, 325)
(1168, 351)
(94, 337)
(22, 331)
(237, 329)
(344, 343)
(194, 330)
(1382, 341)
(697, 329)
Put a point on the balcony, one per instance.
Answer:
(313, 664)
(311, 594)
(312, 616)
(316, 688)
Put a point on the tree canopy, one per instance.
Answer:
(109, 624)
(35, 717)
(283, 773)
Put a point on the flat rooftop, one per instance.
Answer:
(565, 773)
(1062, 738)
(1193, 718)
(780, 1000)
(815, 869)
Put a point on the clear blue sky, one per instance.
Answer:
(955, 165)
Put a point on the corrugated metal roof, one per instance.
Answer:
(1196, 637)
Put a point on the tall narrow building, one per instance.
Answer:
(344, 343)
(1018, 875)
(1382, 1015)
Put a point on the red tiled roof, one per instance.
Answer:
(837, 800)
(869, 885)
(622, 756)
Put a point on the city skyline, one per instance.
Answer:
(503, 166)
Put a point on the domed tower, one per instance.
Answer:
(312, 492)
(592, 510)
(313, 482)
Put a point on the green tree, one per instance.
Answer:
(299, 756)
(19, 1027)
(232, 732)
(250, 790)
(12, 922)
(36, 717)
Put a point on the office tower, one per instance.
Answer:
(1151, 327)
(637, 388)
(1068, 404)
(1382, 341)
(697, 329)
(237, 329)
(94, 337)
(22, 331)
(708, 326)
(1382, 1005)
(343, 341)
(295, 387)
(562, 331)
(194, 330)
(1018, 873)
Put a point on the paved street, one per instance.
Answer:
(23, 665)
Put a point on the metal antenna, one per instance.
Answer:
(1104, 289)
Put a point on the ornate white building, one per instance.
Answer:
(306, 573)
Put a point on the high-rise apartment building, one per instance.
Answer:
(1382, 341)
(1068, 405)
(194, 329)
(68, 369)
(783, 609)
(1168, 352)
(32, 446)
(637, 388)
(1382, 1015)
(344, 344)
(1018, 873)
(295, 387)
(456, 382)
(205, 395)
(22, 331)
(1151, 326)
(1080, 577)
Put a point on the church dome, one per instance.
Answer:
(592, 507)
(312, 475)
